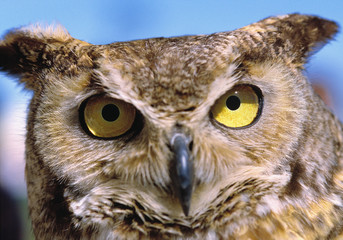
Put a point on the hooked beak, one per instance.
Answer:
(182, 170)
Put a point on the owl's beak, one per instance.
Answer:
(182, 170)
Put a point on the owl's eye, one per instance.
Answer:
(105, 117)
(239, 107)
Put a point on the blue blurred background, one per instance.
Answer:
(106, 21)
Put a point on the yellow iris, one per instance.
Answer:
(106, 117)
(237, 108)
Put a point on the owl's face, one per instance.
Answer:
(175, 132)
(115, 125)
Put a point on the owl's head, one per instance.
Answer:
(170, 134)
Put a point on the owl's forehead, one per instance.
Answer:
(165, 71)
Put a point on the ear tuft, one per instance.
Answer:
(22, 50)
(7, 58)
(33, 51)
(38, 31)
(293, 36)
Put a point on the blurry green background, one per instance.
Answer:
(106, 21)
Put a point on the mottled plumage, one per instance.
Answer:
(181, 169)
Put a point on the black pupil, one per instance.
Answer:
(110, 112)
(233, 103)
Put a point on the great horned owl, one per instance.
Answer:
(197, 137)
